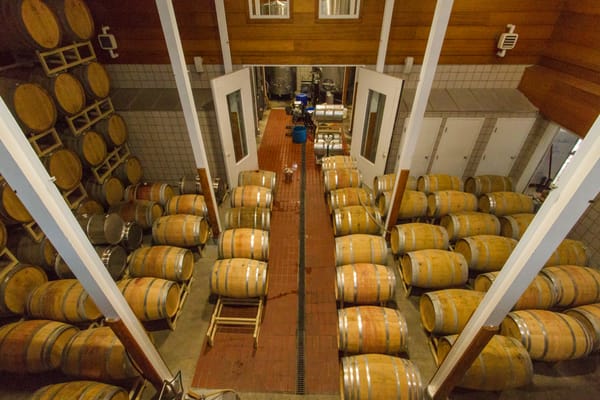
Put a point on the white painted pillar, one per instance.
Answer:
(576, 187)
(25, 173)
(408, 144)
(184, 87)
(224, 35)
(384, 37)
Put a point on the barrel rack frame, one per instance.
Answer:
(217, 318)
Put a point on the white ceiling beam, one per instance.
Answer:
(384, 37)
(224, 35)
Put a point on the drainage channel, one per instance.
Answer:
(300, 371)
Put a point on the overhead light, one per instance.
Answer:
(507, 41)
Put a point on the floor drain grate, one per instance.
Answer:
(301, 283)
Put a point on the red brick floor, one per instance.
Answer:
(233, 362)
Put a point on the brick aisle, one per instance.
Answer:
(233, 362)
(321, 352)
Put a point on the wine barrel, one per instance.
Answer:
(444, 202)
(151, 298)
(75, 18)
(505, 203)
(485, 253)
(356, 219)
(547, 335)
(29, 251)
(341, 178)
(133, 236)
(251, 196)
(349, 197)
(514, 226)
(360, 248)
(446, 312)
(158, 192)
(129, 171)
(503, 364)
(371, 329)
(33, 346)
(89, 146)
(240, 278)
(482, 184)
(589, 316)
(193, 204)
(30, 103)
(29, 25)
(569, 252)
(385, 183)
(257, 177)
(108, 193)
(114, 130)
(166, 262)
(95, 80)
(469, 223)
(576, 285)
(379, 376)
(434, 269)
(66, 90)
(91, 390)
(98, 354)
(114, 259)
(413, 204)
(102, 228)
(16, 284)
(190, 185)
(89, 206)
(65, 167)
(62, 300)
(434, 183)
(417, 236)
(12, 211)
(364, 283)
(143, 212)
(337, 162)
(180, 230)
(540, 294)
(244, 243)
(248, 217)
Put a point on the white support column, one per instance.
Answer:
(386, 24)
(25, 173)
(184, 87)
(575, 189)
(224, 35)
(408, 144)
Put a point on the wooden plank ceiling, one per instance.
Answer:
(303, 39)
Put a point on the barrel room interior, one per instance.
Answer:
(289, 199)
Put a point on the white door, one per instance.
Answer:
(455, 147)
(504, 145)
(375, 107)
(232, 96)
(427, 137)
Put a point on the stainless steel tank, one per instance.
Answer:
(281, 80)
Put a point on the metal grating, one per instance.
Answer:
(300, 370)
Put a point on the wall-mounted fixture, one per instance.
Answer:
(198, 64)
(507, 41)
(108, 42)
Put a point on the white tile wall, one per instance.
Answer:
(587, 229)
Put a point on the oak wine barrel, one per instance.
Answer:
(133, 236)
(482, 184)
(364, 283)
(102, 228)
(436, 182)
(356, 219)
(114, 130)
(158, 192)
(341, 178)
(262, 178)
(166, 262)
(151, 298)
(505, 203)
(27, 250)
(589, 316)
(129, 171)
(248, 217)
(33, 346)
(349, 197)
(240, 278)
(31, 104)
(143, 212)
(193, 204)
(485, 252)
(244, 243)
(75, 18)
(434, 269)
(89, 146)
(547, 335)
(252, 196)
(417, 236)
(91, 390)
(446, 312)
(385, 183)
(413, 204)
(540, 294)
(65, 89)
(94, 78)
(65, 167)
(29, 25)
(114, 259)
(12, 210)
(569, 252)
(444, 202)
(360, 248)
(108, 193)
(16, 284)
(470, 223)
(575, 285)
(62, 300)
(180, 230)
(514, 226)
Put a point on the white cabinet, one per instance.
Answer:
(506, 141)
(456, 144)
(427, 137)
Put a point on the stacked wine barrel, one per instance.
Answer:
(414, 203)
(240, 274)
(371, 335)
(45, 104)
